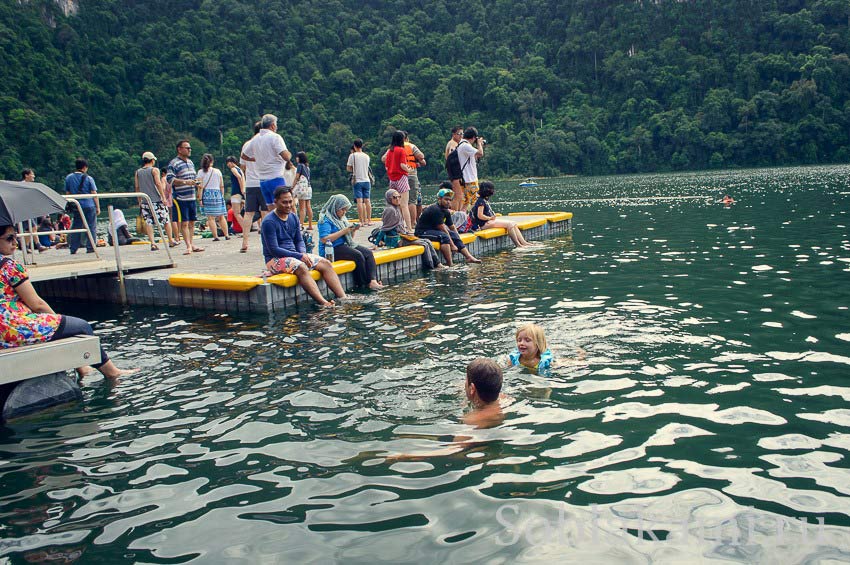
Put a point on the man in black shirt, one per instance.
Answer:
(435, 224)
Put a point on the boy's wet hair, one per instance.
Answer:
(486, 375)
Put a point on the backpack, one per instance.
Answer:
(453, 166)
(385, 239)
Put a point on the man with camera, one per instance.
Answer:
(469, 151)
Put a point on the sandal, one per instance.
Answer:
(154, 247)
(243, 250)
(173, 244)
(227, 238)
(216, 239)
(197, 249)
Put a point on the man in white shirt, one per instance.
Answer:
(468, 151)
(358, 165)
(270, 155)
(254, 200)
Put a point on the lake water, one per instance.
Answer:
(708, 422)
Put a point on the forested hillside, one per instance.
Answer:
(556, 86)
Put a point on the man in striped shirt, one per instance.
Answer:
(182, 176)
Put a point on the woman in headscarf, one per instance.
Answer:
(336, 230)
(392, 224)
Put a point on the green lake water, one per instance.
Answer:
(708, 421)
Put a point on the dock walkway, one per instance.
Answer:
(222, 279)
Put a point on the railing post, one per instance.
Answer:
(122, 290)
(85, 224)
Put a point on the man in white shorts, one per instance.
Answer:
(254, 201)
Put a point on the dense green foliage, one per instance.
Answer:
(557, 86)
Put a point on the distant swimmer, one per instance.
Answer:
(727, 200)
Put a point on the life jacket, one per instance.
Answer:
(411, 160)
(545, 363)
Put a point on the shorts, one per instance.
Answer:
(159, 210)
(415, 189)
(186, 210)
(254, 201)
(236, 199)
(268, 186)
(289, 265)
(362, 189)
(401, 185)
(470, 193)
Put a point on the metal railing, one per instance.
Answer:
(119, 266)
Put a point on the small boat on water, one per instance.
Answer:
(528, 182)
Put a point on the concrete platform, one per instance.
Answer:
(151, 287)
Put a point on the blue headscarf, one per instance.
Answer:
(329, 212)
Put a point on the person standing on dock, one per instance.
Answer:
(435, 224)
(254, 201)
(457, 135)
(148, 181)
(469, 151)
(79, 182)
(358, 165)
(183, 179)
(415, 159)
(270, 155)
(284, 250)
(395, 161)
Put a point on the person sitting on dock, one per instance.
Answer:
(25, 318)
(284, 250)
(483, 216)
(121, 229)
(335, 230)
(435, 224)
(392, 226)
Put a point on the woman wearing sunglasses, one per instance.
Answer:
(25, 318)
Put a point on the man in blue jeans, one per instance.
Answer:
(79, 182)
(435, 224)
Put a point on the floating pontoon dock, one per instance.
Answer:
(224, 280)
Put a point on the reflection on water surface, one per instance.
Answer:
(708, 421)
